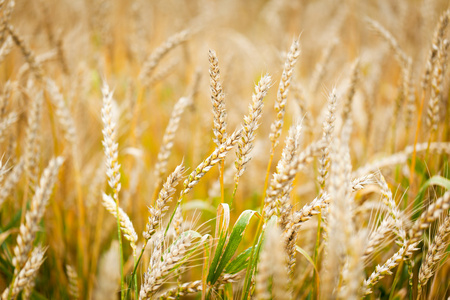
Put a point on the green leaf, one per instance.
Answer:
(308, 258)
(224, 210)
(233, 242)
(199, 205)
(435, 180)
(251, 268)
(239, 263)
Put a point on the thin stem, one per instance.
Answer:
(222, 190)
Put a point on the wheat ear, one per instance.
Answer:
(73, 282)
(219, 154)
(126, 225)
(156, 56)
(27, 52)
(283, 89)
(434, 255)
(168, 139)
(287, 168)
(26, 274)
(28, 230)
(327, 138)
(217, 99)
(165, 196)
(251, 124)
(161, 266)
(62, 112)
(9, 120)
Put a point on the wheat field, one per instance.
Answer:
(266, 149)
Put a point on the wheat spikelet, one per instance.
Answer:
(206, 165)
(401, 157)
(163, 73)
(161, 266)
(327, 138)
(32, 145)
(429, 216)
(295, 222)
(438, 36)
(347, 105)
(6, 49)
(109, 143)
(73, 282)
(217, 99)
(289, 157)
(11, 181)
(26, 274)
(437, 86)
(62, 112)
(394, 212)
(125, 223)
(435, 253)
(361, 182)
(39, 202)
(251, 124)
(285, 173)
(340, 225)
(385, 269)
(7, 12)
(165, 196)
(283, 89)
(379, 235)
(27, 53)
(9, 120)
